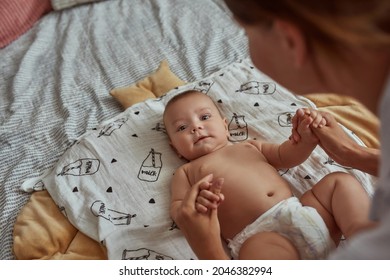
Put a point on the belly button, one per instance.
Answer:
(270, 194)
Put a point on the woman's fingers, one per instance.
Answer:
(192, 195)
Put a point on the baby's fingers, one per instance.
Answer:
(317, 119)
(209, 195)
(322, 123)
(208, 203)
(305, 124)
(201, 208)
(216, 186)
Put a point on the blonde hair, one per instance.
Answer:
(329, 25)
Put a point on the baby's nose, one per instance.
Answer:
(195, 128)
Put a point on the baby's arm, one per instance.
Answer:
(291, 153)
(179, 188)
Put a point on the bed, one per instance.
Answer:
(81, 95)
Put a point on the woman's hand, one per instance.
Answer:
(201, 230)
(210, 196)
(339, 146)
(303, 121)
(306, 120)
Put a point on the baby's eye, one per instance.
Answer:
(205, 117)
(181, 127)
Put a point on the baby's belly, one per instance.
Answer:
(243, 205)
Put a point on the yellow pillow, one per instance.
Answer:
(152, 86)
(41, 231)
(350, 113)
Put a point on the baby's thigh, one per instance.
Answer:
(336, 185)
(320, 197)
(268, 246)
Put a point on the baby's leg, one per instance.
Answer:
(342, 202)
(268, 246)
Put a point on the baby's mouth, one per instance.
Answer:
(200, 139)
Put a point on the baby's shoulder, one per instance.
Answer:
(184, 168)
(253, 144)
(180, 173)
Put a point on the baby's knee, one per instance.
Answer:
(338, 174)
(341, 178)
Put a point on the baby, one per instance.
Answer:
(255, 199)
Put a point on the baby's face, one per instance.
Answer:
(195, 126)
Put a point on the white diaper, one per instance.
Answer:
(302, 225)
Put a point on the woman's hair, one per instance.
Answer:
(331, 25)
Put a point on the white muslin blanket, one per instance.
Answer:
(113, 183)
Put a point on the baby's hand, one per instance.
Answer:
(210, 196)
(303, 121)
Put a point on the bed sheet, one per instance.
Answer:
(55, 79)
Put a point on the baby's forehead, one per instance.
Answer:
(197, 100)
(194, 98)
(190, 95)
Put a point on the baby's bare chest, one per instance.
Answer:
(232, 161)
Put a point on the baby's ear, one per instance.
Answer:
(226, 127)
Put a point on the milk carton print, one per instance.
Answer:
(150, 167)
(204, 86)
(285, 119)
(81, 167)
(254, 87)
(109, 129)
(143, 254)
(99, 209)
(238, 129)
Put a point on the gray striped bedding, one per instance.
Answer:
(55, 79)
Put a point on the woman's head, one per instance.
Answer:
(319, 46)
(326, 24)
